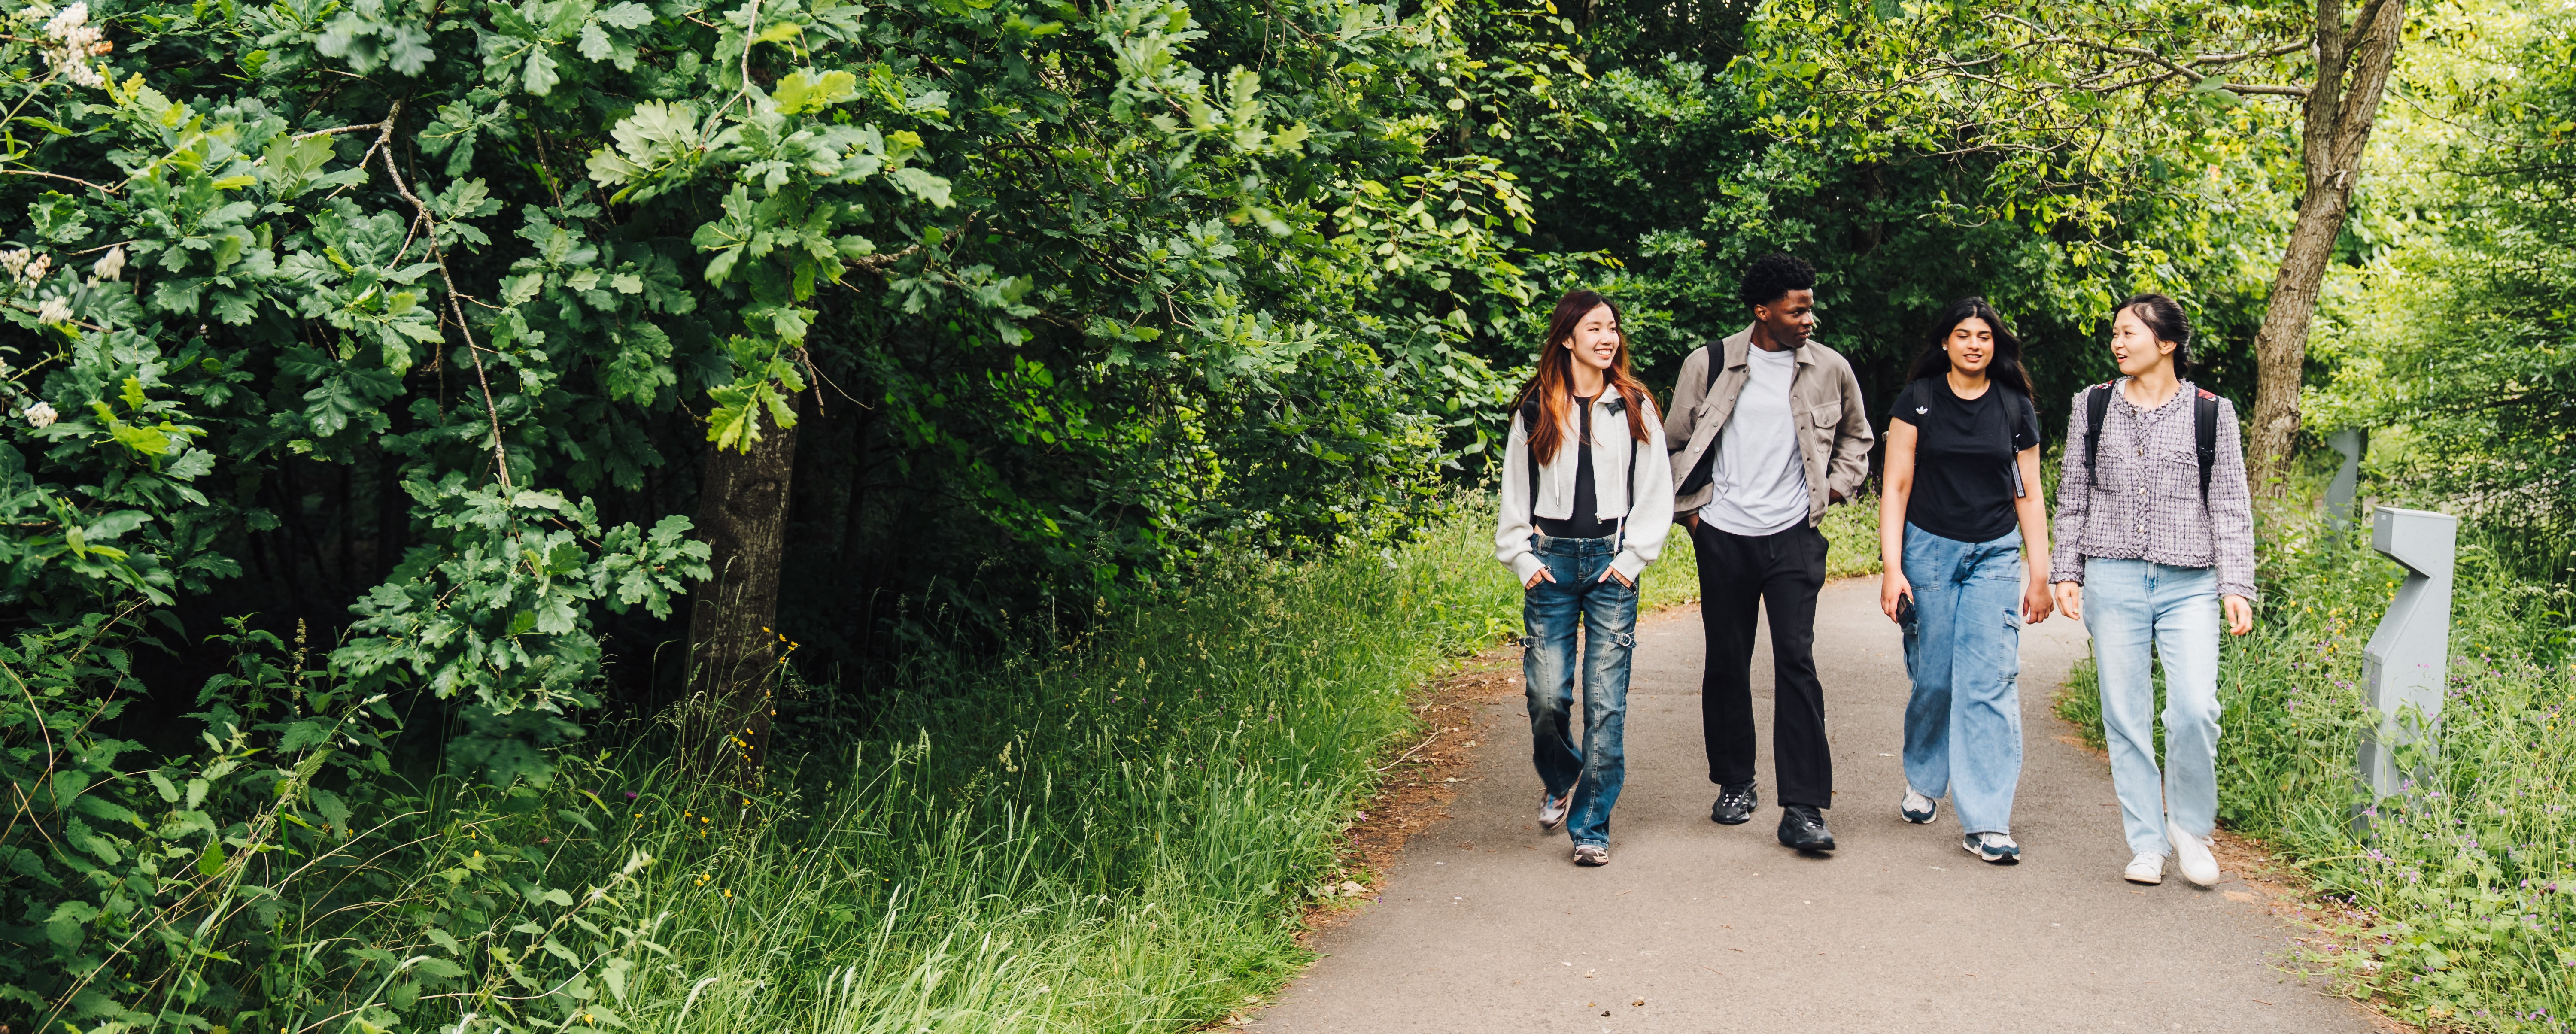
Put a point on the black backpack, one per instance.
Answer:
(2204, 432)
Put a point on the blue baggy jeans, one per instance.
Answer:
(1963, 724)
(2139, 611)
(1607, 611)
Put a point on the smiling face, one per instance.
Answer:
(2134, 344)
(1971, 345)
(1789, 319)
(1595, 342)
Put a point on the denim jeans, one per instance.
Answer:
(1963, 725)
(1608, 612)
(2131, 606)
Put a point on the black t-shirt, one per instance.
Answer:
(1585, 522)
(1963, 457)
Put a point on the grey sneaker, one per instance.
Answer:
(1551, 810)
(1918, 809)
(1992, 847)
(1591, 855)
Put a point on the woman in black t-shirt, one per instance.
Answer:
(1961, 506)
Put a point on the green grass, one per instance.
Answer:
(2459, 909)
(1852, 529)
(1118, 833)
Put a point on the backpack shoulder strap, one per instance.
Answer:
(1529, 428)
(1716, 363)
(2204, 436)
(2097, 405)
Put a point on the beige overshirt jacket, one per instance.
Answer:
(1834, 435)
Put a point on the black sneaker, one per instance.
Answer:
(1803, 827)
(1735, 804)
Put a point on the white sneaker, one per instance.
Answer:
(1591, 854)
(2191, 855)
(1551, 810)
(2146, 868)
(1917, 808)
(1997, 848)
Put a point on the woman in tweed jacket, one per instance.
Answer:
(2151, 555)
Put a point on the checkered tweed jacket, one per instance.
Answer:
(2144, 502)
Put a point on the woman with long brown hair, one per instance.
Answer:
(1963, 547)
(1584, 510)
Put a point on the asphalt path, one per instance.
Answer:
(1484, 924)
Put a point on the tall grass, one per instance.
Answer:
(1115, 833)
(2461, 899)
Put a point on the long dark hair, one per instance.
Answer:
(1552, 386)
(2166, 320)
(2005, 368)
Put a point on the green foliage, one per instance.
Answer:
(1125, 823)
(140, 894)
(1863, 138)
(2454, 327)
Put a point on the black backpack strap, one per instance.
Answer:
(1529, 429)
(2013, 404)
(2097, 405)
(2204, 437)
(1716, 364)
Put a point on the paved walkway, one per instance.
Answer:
(1486, 926)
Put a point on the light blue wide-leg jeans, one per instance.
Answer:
(1550, 612)
(1963, 724)
(2139, 611)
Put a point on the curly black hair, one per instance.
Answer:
(1774, 275)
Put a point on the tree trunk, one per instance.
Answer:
(733, 654)
(2339, 117)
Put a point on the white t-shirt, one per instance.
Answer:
(1761, 482)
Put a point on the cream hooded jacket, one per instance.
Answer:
(1644, 515)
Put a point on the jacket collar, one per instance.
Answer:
(1739, 348)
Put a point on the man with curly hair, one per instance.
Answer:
(1767, 428)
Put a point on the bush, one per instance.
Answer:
(1115, 832)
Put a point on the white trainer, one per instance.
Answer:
(1591, 854)
(2191, 855)
(1917, 808)
(2146, 868)
(1551, 810)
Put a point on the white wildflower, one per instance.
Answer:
(35, 270)
(15, 261)
(70, 43)
(54, 310)
(41, 415)
(110, 266)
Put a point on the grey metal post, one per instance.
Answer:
(2353, 443)
(2408, 660)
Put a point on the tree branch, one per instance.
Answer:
(110, 191)
(500, 454)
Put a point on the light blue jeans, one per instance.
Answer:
(1549, 613)
(1963, 725)
(2139, 611)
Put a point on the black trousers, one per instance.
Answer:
(1736, 574)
